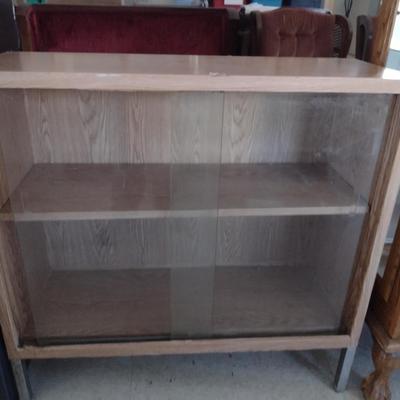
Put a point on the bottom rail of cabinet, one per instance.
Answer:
(201, 346)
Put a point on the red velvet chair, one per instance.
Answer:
(298, 32)
(130, 30)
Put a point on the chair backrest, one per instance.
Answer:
(158, 30)
(364, 36)
(297, 32)
(342, 36)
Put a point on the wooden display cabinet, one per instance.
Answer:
(181, 204)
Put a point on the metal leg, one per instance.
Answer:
(344, 368)
(21, 377)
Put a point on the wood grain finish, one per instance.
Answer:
(97, 245)
(101, 127)
(12, 265)
(390, 345)
(383, 31)
(16, 152)
(270, 301)
(365, 118)
(257, 127)
(344, 130)
(203, 346)
(94, 304)
(89, 110)
(382, 201)
(186, 128)
(183, 243)
(386, 360)
(107, 191)
(137, 72)
(15, 313)
(332, 252)
(237, 301)
(376, 385)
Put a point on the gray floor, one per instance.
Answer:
(267, 376)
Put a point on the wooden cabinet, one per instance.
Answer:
(181, 204)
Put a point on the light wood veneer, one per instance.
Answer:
(247, 301)
(332, 121)
(112, 191)
(193, 73)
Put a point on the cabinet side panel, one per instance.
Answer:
(382, 200)
(11, 268)
(16, 152)
(36, 269)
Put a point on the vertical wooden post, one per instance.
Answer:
(383, 31)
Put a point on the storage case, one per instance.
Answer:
(183, 204)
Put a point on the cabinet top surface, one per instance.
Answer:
(123, 72)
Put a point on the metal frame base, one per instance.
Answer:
(21, 376)
(344, 368)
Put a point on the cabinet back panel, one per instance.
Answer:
(269, 275)
(344, 130)
(193, 242)
(90, 127)
(108, 127)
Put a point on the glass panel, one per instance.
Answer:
(147, 216)
(294, 189)
(192, 247)
(290, 274)
(192, 231)
(117, 217)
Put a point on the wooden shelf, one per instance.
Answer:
(272, 300)
(99, 304)
(247, 301)
(125, 191)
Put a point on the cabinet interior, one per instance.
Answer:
(146, 215)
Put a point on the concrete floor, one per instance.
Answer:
(259, 376)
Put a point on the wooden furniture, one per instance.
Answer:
(383, 29)
(364, 37)
(178, 204)
(384, 322)
(138, 29)
(299, 32)
(375, 33)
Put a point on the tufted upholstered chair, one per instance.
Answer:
(297, 32)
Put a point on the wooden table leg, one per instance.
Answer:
(376, 385)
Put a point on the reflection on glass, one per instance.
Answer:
(191, 215)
